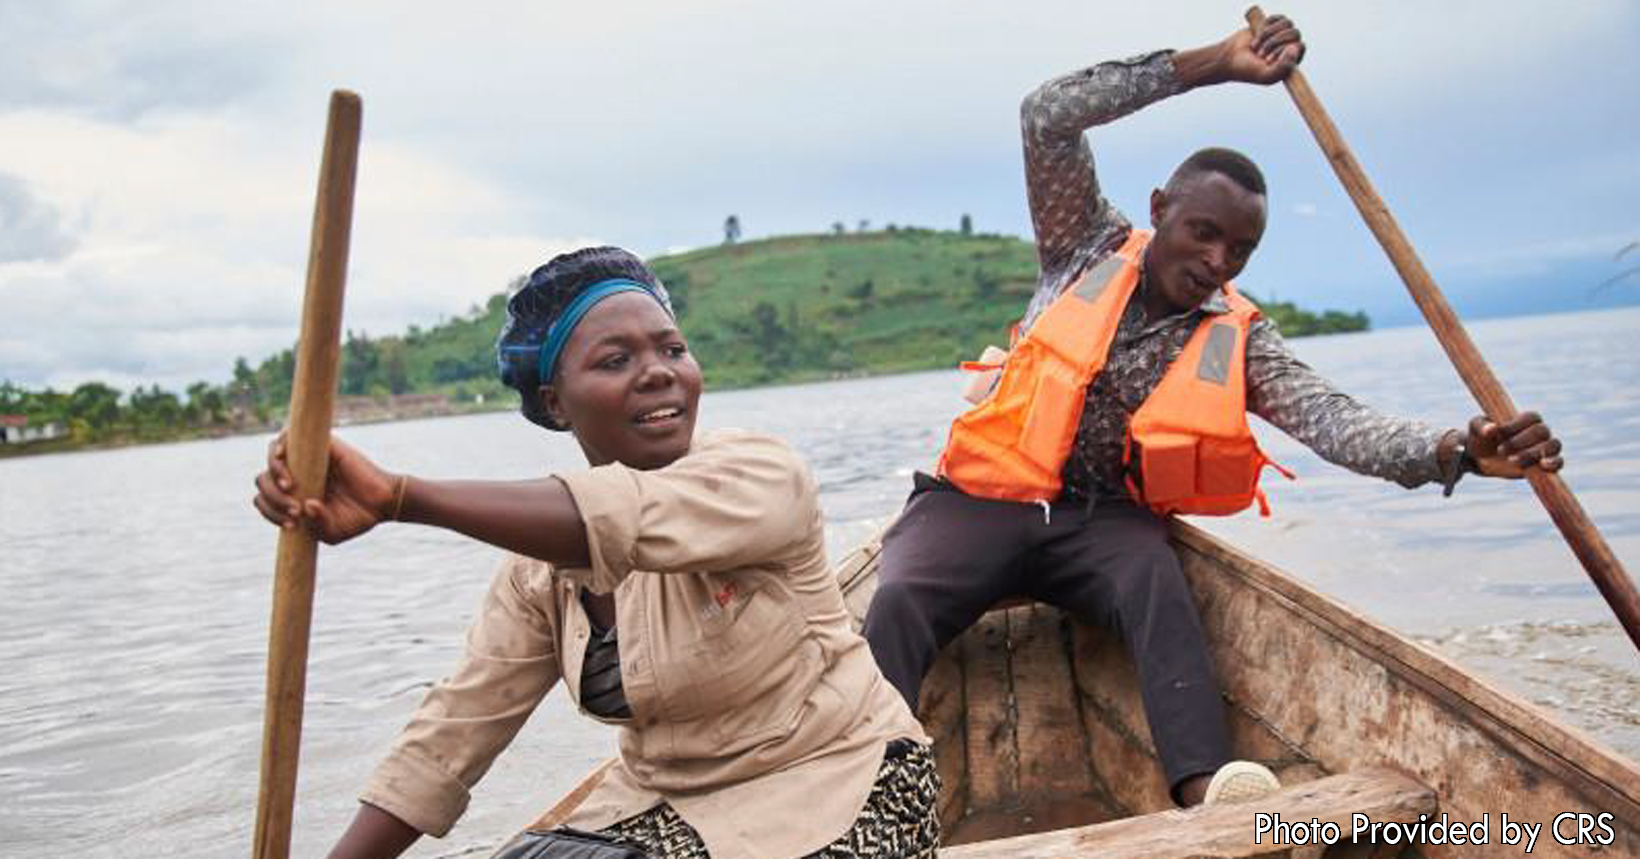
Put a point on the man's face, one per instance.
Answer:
(1206, 230)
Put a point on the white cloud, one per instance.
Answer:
(29, 228)
(195, 239)
(174, 145)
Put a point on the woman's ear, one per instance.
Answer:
(553, 404)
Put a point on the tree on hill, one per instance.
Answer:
(966, 227)
(731, 230)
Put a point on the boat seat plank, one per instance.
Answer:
(1222, 830)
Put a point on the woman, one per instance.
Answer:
(678, 586)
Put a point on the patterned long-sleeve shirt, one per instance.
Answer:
(1077, 228)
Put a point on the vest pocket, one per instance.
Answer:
(1055, 409)
(1167, 467)
(1228, 468)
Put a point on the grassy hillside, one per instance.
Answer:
(805, 307)
(785, 309)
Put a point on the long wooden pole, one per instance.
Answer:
(312, 401)
(1602, 566)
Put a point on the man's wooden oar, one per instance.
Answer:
(307, 445)
(1603, 567)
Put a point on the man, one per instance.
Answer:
(1124, 400)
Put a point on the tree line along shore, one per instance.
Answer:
(780, 310)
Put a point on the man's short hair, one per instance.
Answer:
(1229, 163)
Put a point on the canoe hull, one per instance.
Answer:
(1038, 728)
(1039, 725)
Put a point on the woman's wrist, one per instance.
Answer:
(401, 487)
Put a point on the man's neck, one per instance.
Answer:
(1156, 307)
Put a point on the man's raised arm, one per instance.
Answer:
(1067, 210)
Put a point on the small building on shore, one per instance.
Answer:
(358, 410)
(15, 429)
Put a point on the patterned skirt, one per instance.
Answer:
(899, 821)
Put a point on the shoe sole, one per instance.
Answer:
(1241, 781)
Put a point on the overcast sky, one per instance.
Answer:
(158, 159)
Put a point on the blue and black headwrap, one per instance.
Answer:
(543, 313)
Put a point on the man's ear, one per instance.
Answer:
(552, 404)
(1158, 207)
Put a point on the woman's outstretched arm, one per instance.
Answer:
(537, 518)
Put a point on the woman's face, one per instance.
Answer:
(626, 384)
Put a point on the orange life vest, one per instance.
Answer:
(1189, 442)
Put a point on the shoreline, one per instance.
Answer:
(56, 446)
(64, 445)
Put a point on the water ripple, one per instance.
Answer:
(136, 587)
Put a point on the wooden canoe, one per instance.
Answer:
(1044, 750)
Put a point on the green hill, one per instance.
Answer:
(805, 307)
(784, 309)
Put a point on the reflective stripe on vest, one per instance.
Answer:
(1189, 441)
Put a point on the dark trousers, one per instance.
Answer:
(951, 556)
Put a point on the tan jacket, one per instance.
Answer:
(757, 712)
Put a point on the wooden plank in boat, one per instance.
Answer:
(1027, 762)
(1113, 718)
(943, 712)
(1221, 830)
(1053, 752)
(993, 750)
(857, 577)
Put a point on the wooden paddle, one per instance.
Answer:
(312, 400)
(1591, 549)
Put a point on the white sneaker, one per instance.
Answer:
(1240, 781)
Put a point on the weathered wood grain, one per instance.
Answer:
(1221, 830)
(1112, 716)
(944, 714)
(1054, 759)
(993, 740)
(857, 577)
(1352, 694)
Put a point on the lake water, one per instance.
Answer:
(135, 587)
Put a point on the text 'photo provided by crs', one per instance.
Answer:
(1569, 828)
